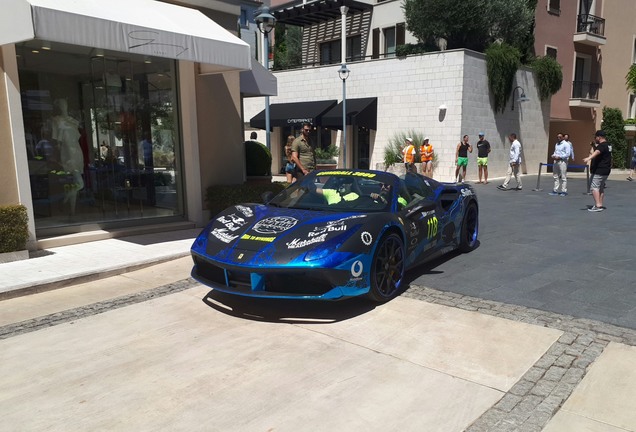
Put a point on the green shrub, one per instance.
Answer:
(393, 151)
(502, 62)
(419, 48)
(220, 197)
(258, 159)
(614, 127)
(327, 155)
(14, 228)
(549, 76)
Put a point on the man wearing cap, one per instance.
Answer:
(409, 155)
(600, 168)
(426, 152)
(483, 148)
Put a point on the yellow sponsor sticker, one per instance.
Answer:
(258, 238)
(346, 173)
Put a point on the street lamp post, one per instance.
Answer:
(266, 23)
(343, 72)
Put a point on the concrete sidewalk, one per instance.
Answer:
(65, 265)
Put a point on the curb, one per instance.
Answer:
(65, 281)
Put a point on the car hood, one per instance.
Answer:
(254, 234)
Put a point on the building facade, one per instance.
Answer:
(573, 32)
(111, 121)
(442, 95)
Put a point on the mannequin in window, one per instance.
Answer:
(65, 130)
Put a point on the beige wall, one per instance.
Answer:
(617, 54)
(221, 152)
(8, 179)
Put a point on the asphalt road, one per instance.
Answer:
(548, 252)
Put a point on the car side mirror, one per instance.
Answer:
(424, 206)
(267, 196)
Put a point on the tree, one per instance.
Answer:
(630, 78)
(472, 24)
(288, 50)
(614, 127)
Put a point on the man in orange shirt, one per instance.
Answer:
(409, 155)
(426, 152)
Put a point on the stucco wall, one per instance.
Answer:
(410, 92)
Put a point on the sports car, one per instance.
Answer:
(335, 234)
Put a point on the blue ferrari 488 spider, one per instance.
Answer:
(335, 234)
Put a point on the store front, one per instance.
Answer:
(104, 113)
(102, 136)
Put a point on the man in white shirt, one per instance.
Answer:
(560, 157)
(515, 163)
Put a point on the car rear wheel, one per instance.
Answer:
(470, 228)
(387, 269)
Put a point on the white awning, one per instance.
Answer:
(145, 27)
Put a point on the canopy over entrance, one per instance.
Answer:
(145, 27)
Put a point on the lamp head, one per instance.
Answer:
(343, 72)
(265, 20)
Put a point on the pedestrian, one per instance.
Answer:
(290, 166)
(427, 155)
(303, 154)
(408, 153)
(562, 153)
(566, 137)
(601, 167)
(461, 156)
(514, 163)
(483, 148)
(633, 164)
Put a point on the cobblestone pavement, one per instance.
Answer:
(526, 407)
(539, 394)
(54, 319)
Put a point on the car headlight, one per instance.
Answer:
(317, 254)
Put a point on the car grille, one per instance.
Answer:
(289, 282)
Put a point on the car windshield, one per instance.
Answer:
(340, 190)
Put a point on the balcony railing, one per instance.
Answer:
(590, 24)
(584, 90)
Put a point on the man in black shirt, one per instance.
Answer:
(483, 148)
(601, 167)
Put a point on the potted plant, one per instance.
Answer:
(327, 158)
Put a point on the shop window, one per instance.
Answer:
(102, 137)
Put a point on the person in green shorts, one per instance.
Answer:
(461, 155)
(483, 148)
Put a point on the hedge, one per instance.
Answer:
(220, 197)
(14, 228)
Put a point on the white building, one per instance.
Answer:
(387, 95)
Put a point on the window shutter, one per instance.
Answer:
(375, 53)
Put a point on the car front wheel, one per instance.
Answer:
(470, 228)
(387, 270)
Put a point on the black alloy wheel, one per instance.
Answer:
(470, 229)
(387, 270)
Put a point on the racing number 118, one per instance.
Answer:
(432, 227)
